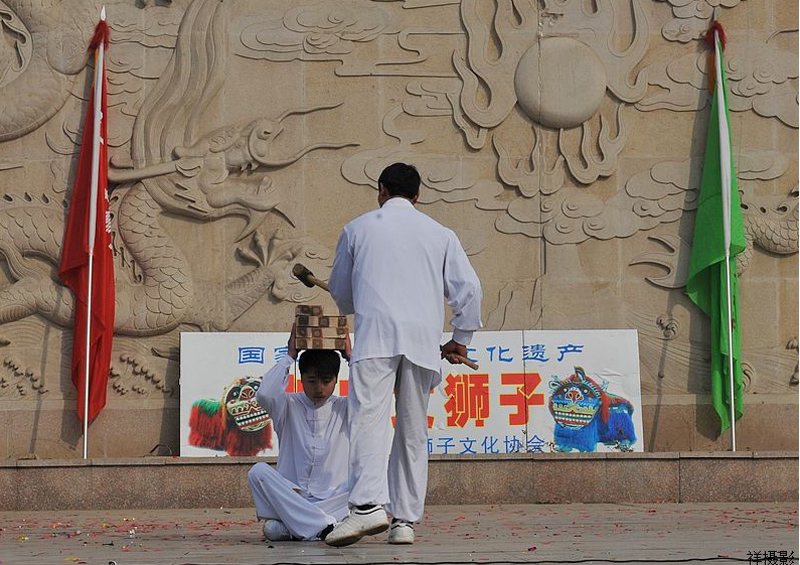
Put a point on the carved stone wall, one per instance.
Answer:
(561, 139)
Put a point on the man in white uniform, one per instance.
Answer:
(393, 267)
(308, 493)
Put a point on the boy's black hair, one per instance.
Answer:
(400, 179)
(321, 361)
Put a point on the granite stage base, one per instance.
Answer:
(616, 478)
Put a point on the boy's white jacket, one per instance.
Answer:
(312, 440)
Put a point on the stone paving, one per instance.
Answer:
(575, 533)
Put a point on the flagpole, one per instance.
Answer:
(98, 100)
(725, 172)
(730, 347)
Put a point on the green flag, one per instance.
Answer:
(718, 223)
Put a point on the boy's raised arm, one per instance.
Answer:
(272, 392)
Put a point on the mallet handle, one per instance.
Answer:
(322, 284)
(463, 360)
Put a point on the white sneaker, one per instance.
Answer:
(275, 530)
(358, 524)
(401, 532)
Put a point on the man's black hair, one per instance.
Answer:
(400, 179)
(321, 361)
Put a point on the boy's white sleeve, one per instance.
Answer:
(272, 392)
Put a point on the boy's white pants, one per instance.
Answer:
(305, 516)
(372, 382)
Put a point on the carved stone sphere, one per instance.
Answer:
(560, 82)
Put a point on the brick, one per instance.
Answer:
(313, 321)
(308, 310)
(303, 331)
(321, 321)
(319, 343)
(315, 331)
(328, 332)
(329, 321)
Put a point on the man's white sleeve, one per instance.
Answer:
(271, 394)
(462, 288)
(340, 282)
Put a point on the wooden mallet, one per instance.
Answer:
(306, 277)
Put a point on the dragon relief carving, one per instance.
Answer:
(172, 169)
(509, 84)
(774, 230)
(143, 378)
(42, 51)
(761, 77)
(510, 77)
(499, 86)
(691, 18)
(17, 379)
(24, 378)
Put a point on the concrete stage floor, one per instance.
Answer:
(573, 533)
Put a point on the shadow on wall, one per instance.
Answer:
(698, 332)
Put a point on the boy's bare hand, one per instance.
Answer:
(291, 349)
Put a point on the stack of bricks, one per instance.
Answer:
(315, 331)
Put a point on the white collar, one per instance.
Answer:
(398, 201)
(311, 404)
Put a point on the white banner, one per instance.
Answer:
(535, 391)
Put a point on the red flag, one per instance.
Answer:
(74, 268)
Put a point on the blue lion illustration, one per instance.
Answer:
(585, 414)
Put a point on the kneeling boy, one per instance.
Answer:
(308, 493)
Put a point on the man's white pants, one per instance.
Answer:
(372, 382)
(275, 498)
